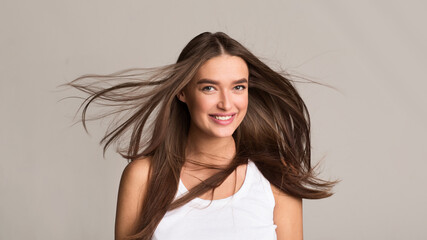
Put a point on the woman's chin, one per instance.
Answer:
(223, 134)
(209, 131)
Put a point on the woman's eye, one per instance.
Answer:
(240, 87)
(208, 88)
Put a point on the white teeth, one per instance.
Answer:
(223, 117)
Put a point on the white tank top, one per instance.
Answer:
(248, 214)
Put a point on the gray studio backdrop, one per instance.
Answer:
(370, 131)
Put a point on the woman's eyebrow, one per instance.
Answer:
(210, 81)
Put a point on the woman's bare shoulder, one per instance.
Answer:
(133, 185)
(136, 172)
(280, 196)
(287, 215)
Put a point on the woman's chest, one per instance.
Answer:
(248, 214)
(229, 187)
(242, 219)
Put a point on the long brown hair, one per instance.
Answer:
(275, 133)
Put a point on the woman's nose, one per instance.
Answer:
(224, 102)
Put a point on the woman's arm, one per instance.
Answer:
(133, 185)
(287, 216)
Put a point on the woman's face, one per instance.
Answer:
(217, 96)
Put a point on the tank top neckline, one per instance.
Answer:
(240, 193)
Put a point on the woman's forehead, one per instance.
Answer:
(223, 68)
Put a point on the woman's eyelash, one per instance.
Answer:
(210, 88)
(207, 88)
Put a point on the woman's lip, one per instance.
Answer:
(222, 114)
(222, 122)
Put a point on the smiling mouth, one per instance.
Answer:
(222, 117)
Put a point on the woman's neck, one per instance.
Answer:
(210, 150)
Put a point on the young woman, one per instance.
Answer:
(218, 143)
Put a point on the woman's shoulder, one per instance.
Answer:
(136, 172)
(133, 185)
(279, 195)
(287, 215)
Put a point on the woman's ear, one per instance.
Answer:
(181, 96)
